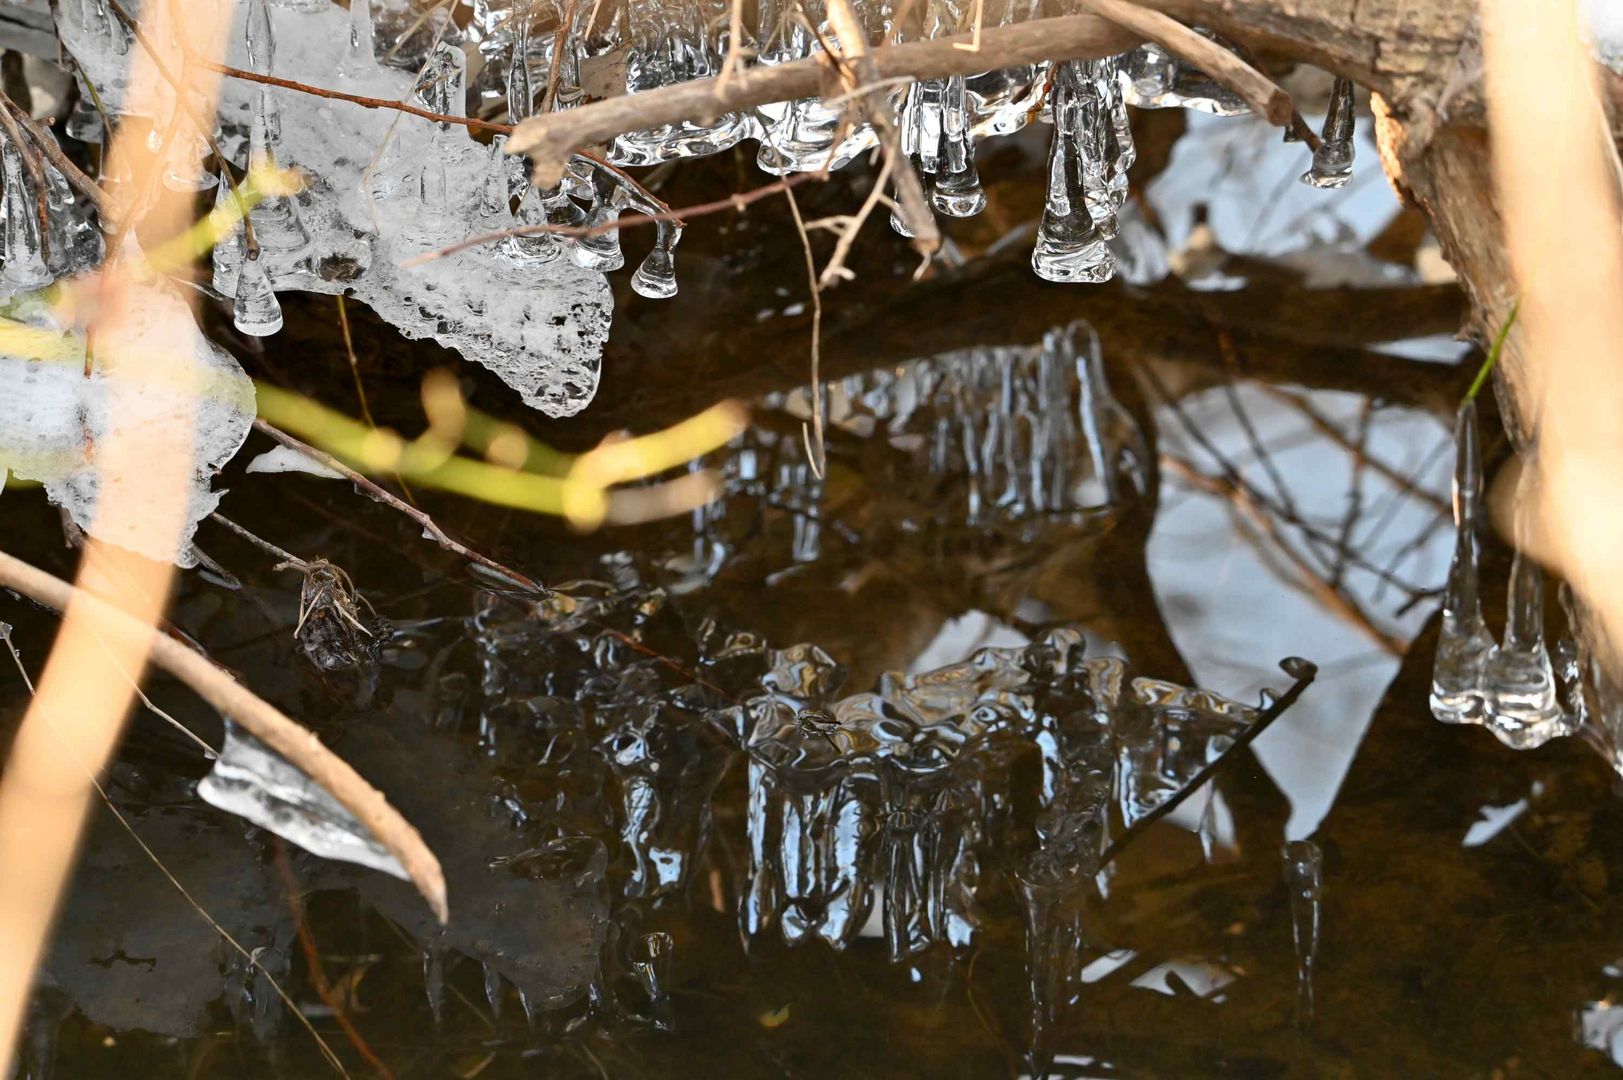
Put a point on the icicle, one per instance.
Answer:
(24, 250)
(434, 978)
(76, 243)
(84, 122)
(1304, 879)
(1464, 642)
(494, 991)
(442, 86)
(358, 60)
(256, 311)
(227, 255)
(600, 252)
(259, 36)
(538, 249)
(656, 277)
(1333, 160)
(653, 964)
(1520, 705)
(275, 218)
(1070, 246)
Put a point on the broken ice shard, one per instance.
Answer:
(1518, 682)
(254, 782)
(1304, 880)
(1333, 160)
(1464, 641)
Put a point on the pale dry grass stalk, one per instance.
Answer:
(83, 698)
(1553, 173)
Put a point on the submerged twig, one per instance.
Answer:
(1304, 673)
(430, 529)
(297, 744)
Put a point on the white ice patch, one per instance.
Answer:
(540, 328)
(284, 459)
(56, 416)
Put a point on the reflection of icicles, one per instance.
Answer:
(1304, 880)
(434, 981)
(1333, 160)
(495, 990)
(1055, 897)
(1464, 641)
(1518, 682)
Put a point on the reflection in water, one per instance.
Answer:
(1304, 878)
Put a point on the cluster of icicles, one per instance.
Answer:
(444, 187)
(1519, 687)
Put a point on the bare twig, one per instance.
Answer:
(736, 201)
(859, 71)
(1304, 674)
(549, 140)
(430, 529)
(297, 744)
(64, 164)
(471, 122)
(1258, 91)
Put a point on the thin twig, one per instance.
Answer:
(566, 25)
(64, 164)
(430, 529)
(297, 744)
(858, 70)
(736, 201)
(363, 101)
(1304, 674)
(814, 440)
(312, 963)
(293, 561)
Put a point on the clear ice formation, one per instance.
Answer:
(1155, 79)
(1464, 642)
(1333, 160)
(1508, 687)
(258, 784)
(380, 188)
(1304, 882)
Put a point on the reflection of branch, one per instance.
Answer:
(1323, 426)
(1310, 582)
(265, 722)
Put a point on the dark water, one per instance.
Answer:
(569, 758)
